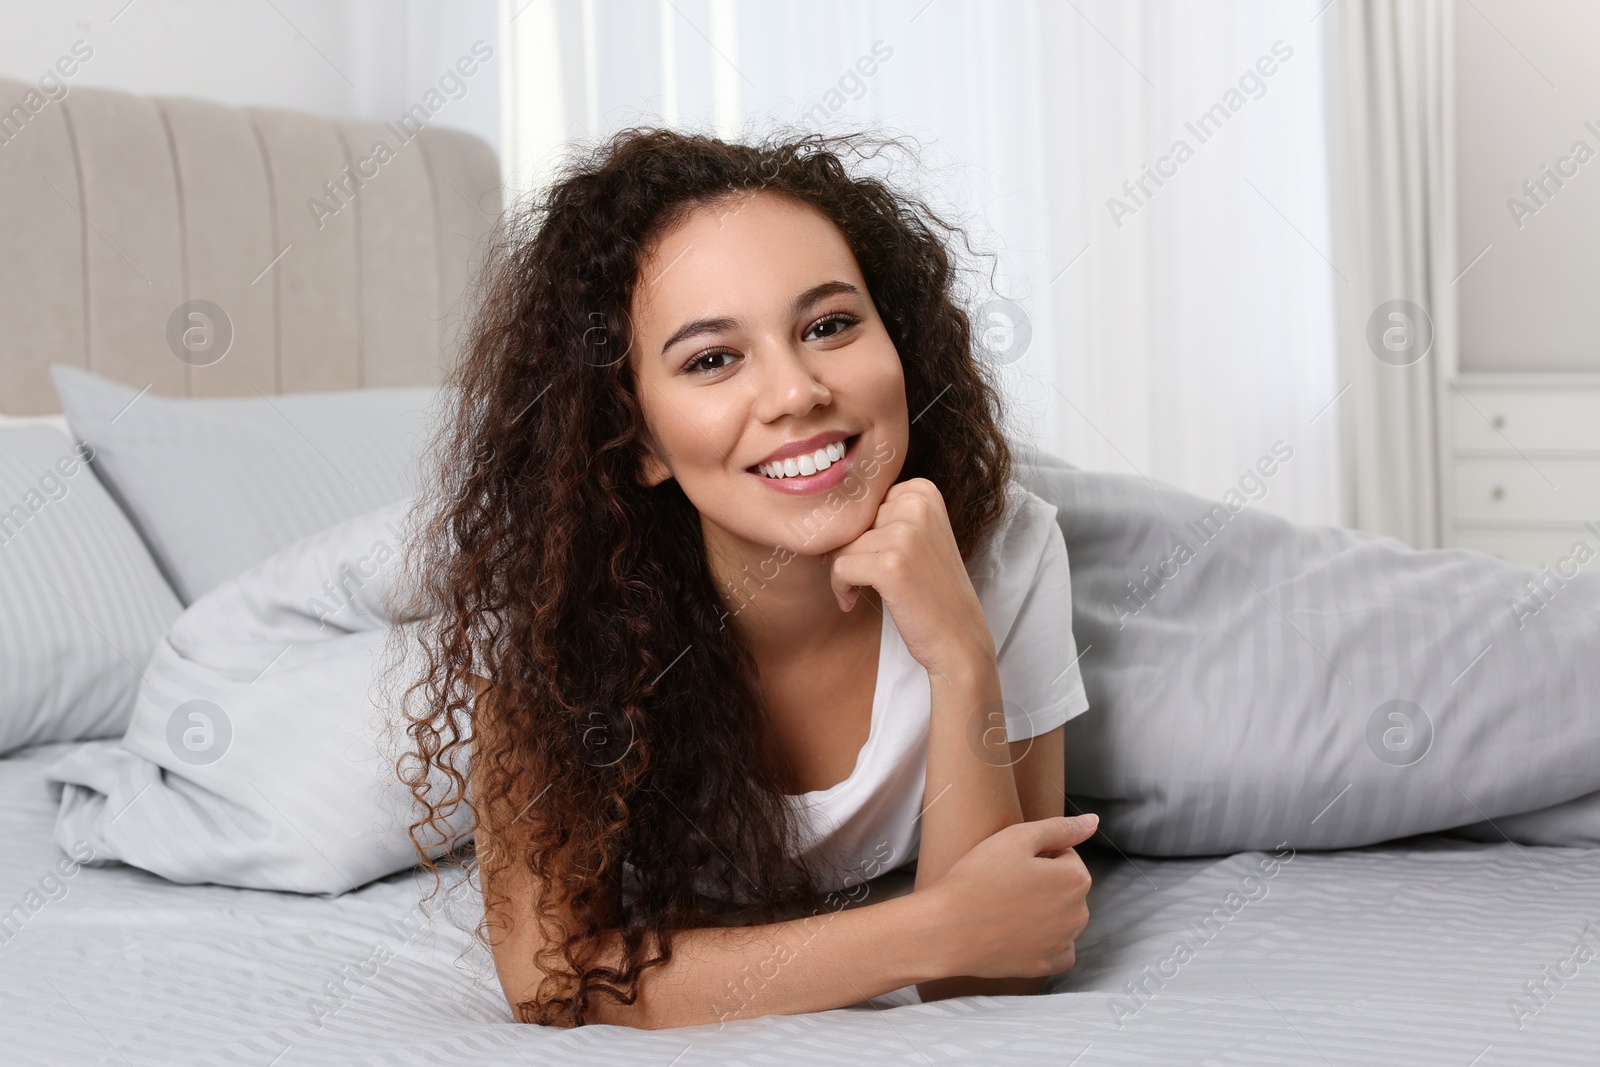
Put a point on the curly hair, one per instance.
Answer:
(627, 715)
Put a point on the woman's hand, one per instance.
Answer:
(909, 555)
(1014, 905)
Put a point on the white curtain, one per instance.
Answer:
(402, 50)
(1179, 331)
(1395, 218)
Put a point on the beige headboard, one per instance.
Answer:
(116, 209)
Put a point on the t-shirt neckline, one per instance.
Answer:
(874, 730)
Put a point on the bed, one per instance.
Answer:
(118, 209)
(1411, 952)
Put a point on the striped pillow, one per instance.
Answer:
(217, 485)
(81, 602)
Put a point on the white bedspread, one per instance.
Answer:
(1412, 953)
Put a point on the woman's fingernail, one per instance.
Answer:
(1091, 821)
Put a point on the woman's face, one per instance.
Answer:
(754, 330)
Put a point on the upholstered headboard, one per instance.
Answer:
(338, 250)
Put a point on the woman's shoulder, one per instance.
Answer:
(1024, 545)
(1015, 547)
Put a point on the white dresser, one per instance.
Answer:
(1521, 473)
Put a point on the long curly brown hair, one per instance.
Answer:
(627, 716)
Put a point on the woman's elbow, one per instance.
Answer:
(602, 1011)
(968, 986)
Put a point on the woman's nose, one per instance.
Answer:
(789, 381)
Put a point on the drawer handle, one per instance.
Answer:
(1498, 492)
(1498, 422)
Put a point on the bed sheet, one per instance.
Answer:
(1430, 950)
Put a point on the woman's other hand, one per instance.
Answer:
(1015, 905)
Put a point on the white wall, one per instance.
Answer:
(1527, 83)
(367, 58)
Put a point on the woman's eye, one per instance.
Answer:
(695, 363)
(839, 320)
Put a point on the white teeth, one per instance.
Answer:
(811, 463)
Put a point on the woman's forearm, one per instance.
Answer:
(971, 792)
(831, 959)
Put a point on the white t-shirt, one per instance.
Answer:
(869, 822)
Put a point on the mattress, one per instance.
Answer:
(1430, 950)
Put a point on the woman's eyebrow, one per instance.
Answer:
(817, 292)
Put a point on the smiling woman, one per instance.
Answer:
(695, 360)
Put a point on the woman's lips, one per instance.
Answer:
(814, 483)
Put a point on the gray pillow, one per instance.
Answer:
(81, 602)
(262, 749)
(217, 485)
(1324, 687)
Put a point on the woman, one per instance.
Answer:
(697, 589)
